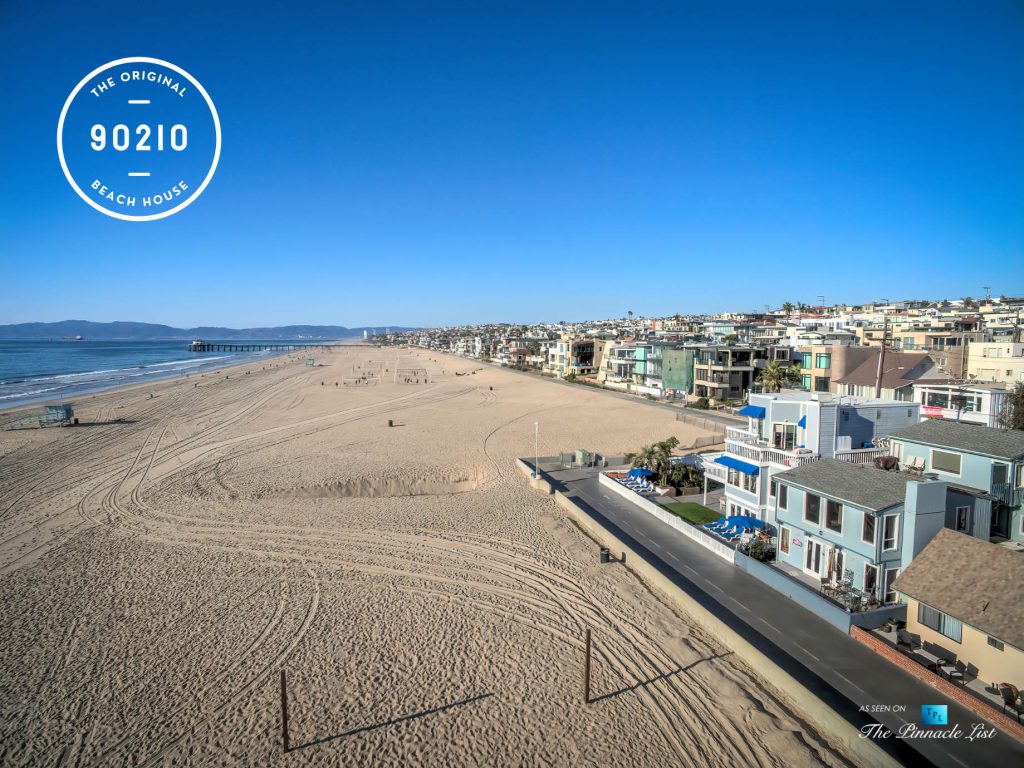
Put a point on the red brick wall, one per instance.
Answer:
(951, 690)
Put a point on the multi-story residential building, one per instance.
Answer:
(849, 522)
(965, 595)
(821, 364)
(899, 372)
(792, 428)
(1003, 361)
(764, 335)
(677, 370)
(573, 354)
(966, 401)
(983, 466)
(724, 372)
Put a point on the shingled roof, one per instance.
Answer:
(864, 486)
(901, 369)
(973, 438)
(979, 583)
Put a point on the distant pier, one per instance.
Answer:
(253, 346)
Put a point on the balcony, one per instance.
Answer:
(711, 379)
(714, 471)
(861, 455)
(1007, 494)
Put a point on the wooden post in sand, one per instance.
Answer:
(586, 672)
(284, 712)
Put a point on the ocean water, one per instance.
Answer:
(49, 371)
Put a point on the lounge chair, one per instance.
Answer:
(907, 641)
(1011, 699)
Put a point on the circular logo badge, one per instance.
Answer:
(139, 139)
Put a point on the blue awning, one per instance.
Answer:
(803, 422)
(740, 466)
(753, 411)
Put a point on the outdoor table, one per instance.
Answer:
(931, 658)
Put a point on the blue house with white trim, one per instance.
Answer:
(841, 522)
(792, 428)
(983, 467)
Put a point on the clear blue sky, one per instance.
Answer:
(426, 164)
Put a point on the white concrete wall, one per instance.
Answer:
(719, 548)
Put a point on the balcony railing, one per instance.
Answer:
(747, 445)
(1007, 494)
(861, 455)
(741, 435)
(714, 471)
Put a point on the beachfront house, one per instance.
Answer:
(974, 402)
(899, 372)
(724, 372)
(984, 468)
(967, 596)
(791, 428)
(850, 526)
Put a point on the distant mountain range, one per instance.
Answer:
(126, 331)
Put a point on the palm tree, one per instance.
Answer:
(775, 376)
(787, 307)
(630, 313)
(656, 457)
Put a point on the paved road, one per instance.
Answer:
(841, 671)
(725, 419)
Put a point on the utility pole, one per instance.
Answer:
(881, 359)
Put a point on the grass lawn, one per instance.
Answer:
(692, 512)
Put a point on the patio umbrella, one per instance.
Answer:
(748, 521)
(642, 473)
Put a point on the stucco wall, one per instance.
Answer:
(994, 666)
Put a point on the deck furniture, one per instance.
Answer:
(954, 671)
(907, 641)
(1011, 699)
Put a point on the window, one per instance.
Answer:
(997, 644)
(823, 360)
(890, 593)
(805, 381)
(773, 488)
(784, 536)
(1020, 476)
(961, 518)
(812, 508)
(1000, 472)
(867, 529)
(937, 400)
(940, 622)
(784, 497)
(942, 461)
(890, 532)
(834, 516)
(821, 383)
(784, 436)
(870, 578)
(910, 413)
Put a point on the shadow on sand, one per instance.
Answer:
(656, 678)
(394, 721)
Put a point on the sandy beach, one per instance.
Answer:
(163, 561)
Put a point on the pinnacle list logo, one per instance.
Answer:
(934, 714)
(139, 139)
